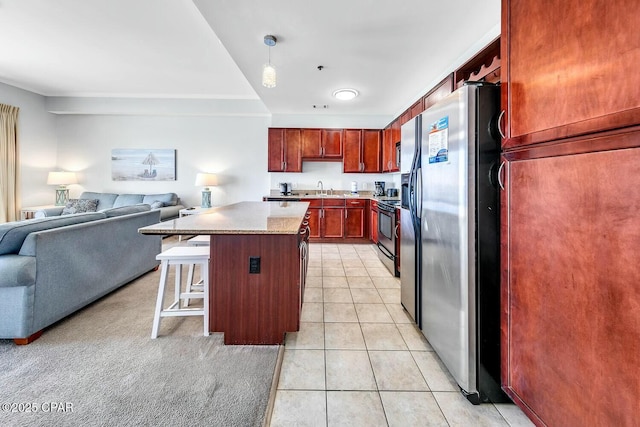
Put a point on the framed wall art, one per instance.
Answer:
(143, 164)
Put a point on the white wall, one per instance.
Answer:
(228, 138)
(233, 147)
(37, 145)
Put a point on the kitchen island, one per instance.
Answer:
(257, 269)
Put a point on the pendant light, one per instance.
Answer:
(268, 70)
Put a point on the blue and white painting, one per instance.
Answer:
(143, 165)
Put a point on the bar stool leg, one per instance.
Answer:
(178, 287)
(161, 288)
(205, 286)
(190, 274)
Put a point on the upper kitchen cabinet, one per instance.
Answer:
(362, 150)
(442, 89)
(371, 146)
(284, 150)
(569, 68)
(417, 108)
(405, 117)
(321, 144)
(485, 66)
(389, 153)
(332, 143)
(395, 130)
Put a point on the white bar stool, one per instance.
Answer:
(179, 256)
(201, 240)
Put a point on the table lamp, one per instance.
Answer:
(62, 179)
(206, 180)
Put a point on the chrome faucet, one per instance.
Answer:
(321, 187)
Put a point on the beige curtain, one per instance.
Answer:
(8, 163)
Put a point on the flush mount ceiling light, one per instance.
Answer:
(268, 70)
(345, 94)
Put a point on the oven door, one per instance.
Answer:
(386, 225)
(386, 237)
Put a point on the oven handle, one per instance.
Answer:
(386, 252)
(383, 207)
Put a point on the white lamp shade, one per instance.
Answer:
(62, 178)
(206, 179)
(268, 76)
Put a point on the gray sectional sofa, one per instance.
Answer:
(167, 203)
(52, 267)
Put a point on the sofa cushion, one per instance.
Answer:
(126, 210)
(17, 270)
(12, 234)
(127, 200)
(157, 205)
(169, 199)
(105, 200)
(76, 206)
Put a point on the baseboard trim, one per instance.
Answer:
(266, 422)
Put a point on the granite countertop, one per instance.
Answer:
(304, 195)
(238, 218)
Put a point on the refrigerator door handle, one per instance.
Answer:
(419, 192)
(411, 193)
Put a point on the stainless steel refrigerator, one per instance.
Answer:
(459, 230)
(409, 218)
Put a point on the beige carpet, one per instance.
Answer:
(101, 364)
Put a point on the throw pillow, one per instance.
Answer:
(157, 205)
(75, 206)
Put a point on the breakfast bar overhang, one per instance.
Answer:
(257, 268)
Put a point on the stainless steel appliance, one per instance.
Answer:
(379, 188)
(410, 256)
(303, 247)
(459, 229)
(285, 189)
(387, 234)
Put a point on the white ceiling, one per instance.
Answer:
(389, 50)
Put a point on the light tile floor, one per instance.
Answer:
(359, 360)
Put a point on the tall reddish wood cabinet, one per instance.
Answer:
(362, 150)
(571, 210)
(284, 150)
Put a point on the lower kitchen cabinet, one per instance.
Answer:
(332, 218)
(355, 218)
(571, 281)
(335, 219)
(314, 220)
(397, 235)
(373, 221)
